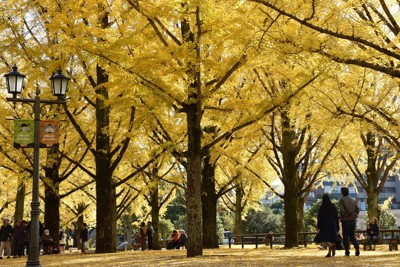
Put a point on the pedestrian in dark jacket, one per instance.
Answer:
(6, 233)
(372, 233)
(328, 225)
(26, 238)
(150, 233)
(19, 238)
(182, 239)
(84, 236)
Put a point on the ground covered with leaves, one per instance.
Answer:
(249, 256)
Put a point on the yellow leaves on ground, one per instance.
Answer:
(263, 256)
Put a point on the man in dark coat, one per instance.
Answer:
(84, 236)
(6, 233)
(150, 233)
(19, 238)
(328, 225)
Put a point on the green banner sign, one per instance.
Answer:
(24, 133)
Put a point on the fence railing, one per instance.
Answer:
(304, 238)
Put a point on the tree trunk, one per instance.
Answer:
(372, 202)
(52, 211)
(209, 204)
(300, 214)
(106, 210)
(290, 202)
(290, 180)
(81, 219)
(239, 212)
(193, 192)
(372, 175)
(52, 194)
(155, 217)
(20, 200)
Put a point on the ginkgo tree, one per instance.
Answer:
(370, 148)
(203, 57)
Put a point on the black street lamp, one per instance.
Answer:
(14, 81)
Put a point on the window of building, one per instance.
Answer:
(389, 190)
(391, 179)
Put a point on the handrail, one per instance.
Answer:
(262, 236)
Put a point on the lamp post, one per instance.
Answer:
(59, 82)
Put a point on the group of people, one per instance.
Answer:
(16, 238)
(144, 238)
(49, 246)
(179, 239)
(328, 224)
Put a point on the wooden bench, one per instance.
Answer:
(392, 242)
(164, 243)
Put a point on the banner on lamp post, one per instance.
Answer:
(24, 133)
(49, 133)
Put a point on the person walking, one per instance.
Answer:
(84, 236)
(26, 238)
(19, 238)
(6, 234)
(328, 225)
(150, 233)
(349, 211)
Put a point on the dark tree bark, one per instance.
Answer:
(155, 217)
(52, 193)
(291, 239)
(300, 214)
(209, 200)
(20, 200)
(289, 142)
(239, 212)
(80, 209)
(193, 192)
(106, 212)
(194, 111)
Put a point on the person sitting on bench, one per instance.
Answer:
(372, 233)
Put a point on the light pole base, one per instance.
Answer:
(33, 264)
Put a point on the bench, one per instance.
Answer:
(164, 243)
(392, 242)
